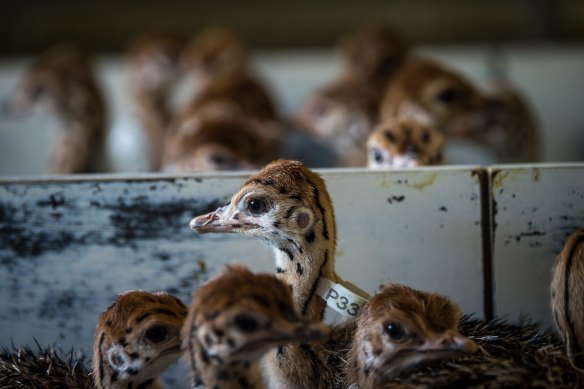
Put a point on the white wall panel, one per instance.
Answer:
(68, 246)
(534, 209)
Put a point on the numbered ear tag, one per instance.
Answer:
(339, 298)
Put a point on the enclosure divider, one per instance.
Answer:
(486, 227)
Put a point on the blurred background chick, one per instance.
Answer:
(308, 88)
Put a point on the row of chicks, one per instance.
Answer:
(388, 108)
(400, 337)
(238, 317)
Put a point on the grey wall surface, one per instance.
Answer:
(535, 208)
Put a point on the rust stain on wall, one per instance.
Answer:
(427, 180)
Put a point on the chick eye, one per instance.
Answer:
(395, 331)
(389, 136)
(377, 155)
(426, 137)
(257, 206)
(246, 323)
(157, 334)
(217, 159)
(448, 96)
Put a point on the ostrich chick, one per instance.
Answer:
(243, 91)
(567, 292)
(241, 102)
(62, 82)
(402, 328)
(404, 143)
(288, 206)
(219, 62)
(152, 66)
(136, 339)
(215, 53)
(233, 320)
(214, 142)
(512, 133)
(434, 95)
(373, 55)
(342, 113)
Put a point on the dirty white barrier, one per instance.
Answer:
(67, 246)
(486, 237)
(534, 209)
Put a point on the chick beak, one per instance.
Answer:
(221, 220)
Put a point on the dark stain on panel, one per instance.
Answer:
(138, 218)
(397, 199)
(30, 228)
(526, 234)
(54, 201)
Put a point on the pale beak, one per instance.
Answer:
(407, 160)
(220, 220)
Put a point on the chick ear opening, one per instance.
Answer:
(301, 219)
(117, 359)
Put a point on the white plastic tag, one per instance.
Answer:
(339, 298)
